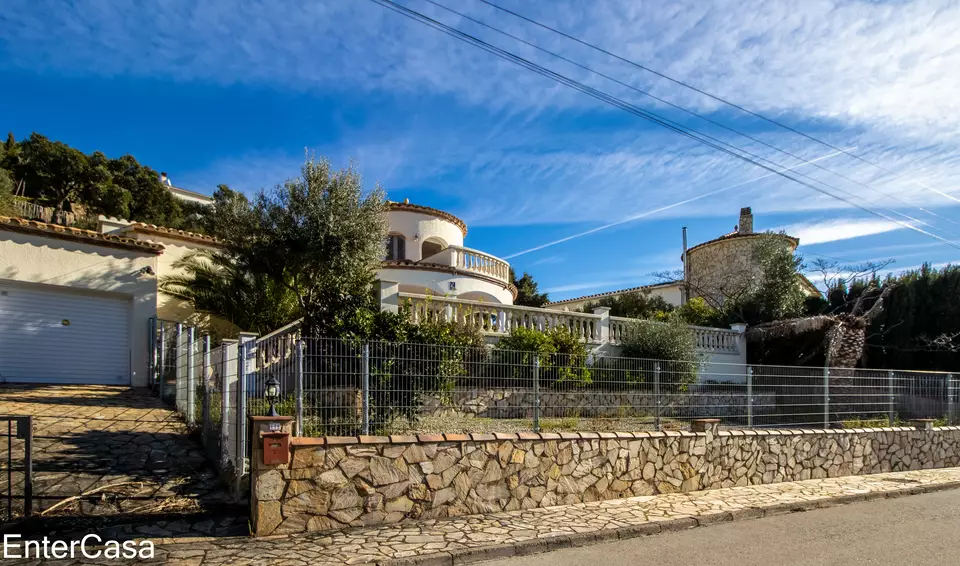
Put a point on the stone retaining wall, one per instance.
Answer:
(335, 482)
(516, 403)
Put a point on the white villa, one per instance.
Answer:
(91, 296)
(425, 254)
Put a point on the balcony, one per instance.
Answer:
(471, 261)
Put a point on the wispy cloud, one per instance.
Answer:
(549, 260)
(811, 233)
(867, 62)
(877, 75)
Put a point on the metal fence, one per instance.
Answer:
(338, 387)
(16, 468)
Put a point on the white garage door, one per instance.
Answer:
(55, 335)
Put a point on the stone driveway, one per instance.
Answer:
(129, 453)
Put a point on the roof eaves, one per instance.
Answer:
(23, 225)
(406, 206)
(617, 292)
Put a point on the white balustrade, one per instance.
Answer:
(497, 319)
(717, 339)
(708, 339)
(473, 261)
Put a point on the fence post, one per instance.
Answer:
(750, 396)
(826, 397)
(191, 377)
(365, 393)
(536, 392)
(27, 436)
(951, 405)
(656, 395)
(298, 422)
(228, 376)
(161, 377)
(151, 351)
(892, 402)
(177, 372)
(239, 469)
(207, 370)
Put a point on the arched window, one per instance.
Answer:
(396, 247)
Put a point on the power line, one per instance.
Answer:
(619, 103)
(715, 97)
(657, 210)
(707, 119)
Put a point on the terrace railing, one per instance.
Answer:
(472, 261)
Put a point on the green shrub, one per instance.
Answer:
(674, 347)
(563, 357)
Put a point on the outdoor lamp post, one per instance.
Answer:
(272, 392)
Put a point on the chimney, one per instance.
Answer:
(164, 180)
(746, 221)
(406, 201)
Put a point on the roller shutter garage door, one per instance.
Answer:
(53, 334)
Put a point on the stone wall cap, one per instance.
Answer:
(367, 439)
(307, 441)
(341, 440)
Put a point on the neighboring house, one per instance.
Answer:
(671, 292)
(716, 270)
(184, 194)
(74, 304)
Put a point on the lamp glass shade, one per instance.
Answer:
(272, 389)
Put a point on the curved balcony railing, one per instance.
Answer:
(473, 261)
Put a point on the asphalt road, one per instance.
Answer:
(915, 530)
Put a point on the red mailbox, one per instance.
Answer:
(276, 448)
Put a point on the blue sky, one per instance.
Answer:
(234, 92)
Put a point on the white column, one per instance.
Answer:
(603, 325)
(388, 294)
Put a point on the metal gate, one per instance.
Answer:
(17, 467)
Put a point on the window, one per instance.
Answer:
(396, 247)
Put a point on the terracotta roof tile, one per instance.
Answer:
(143, 227)
(76, 234)
(431, 211)
(610, 293)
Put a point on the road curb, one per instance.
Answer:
(537, 546)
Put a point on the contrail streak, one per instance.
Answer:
(674, 205)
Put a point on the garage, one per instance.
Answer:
(75, 305)
(60, 335)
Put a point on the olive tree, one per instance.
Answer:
(319, 235)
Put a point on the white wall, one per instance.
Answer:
(426, 281)
(425, 226)
(673, 294)
(30, 258)
(171, 308)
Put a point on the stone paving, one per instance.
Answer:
(89, 437)
(473, 538)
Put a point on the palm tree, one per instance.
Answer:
(846, 333)
(213, 283)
